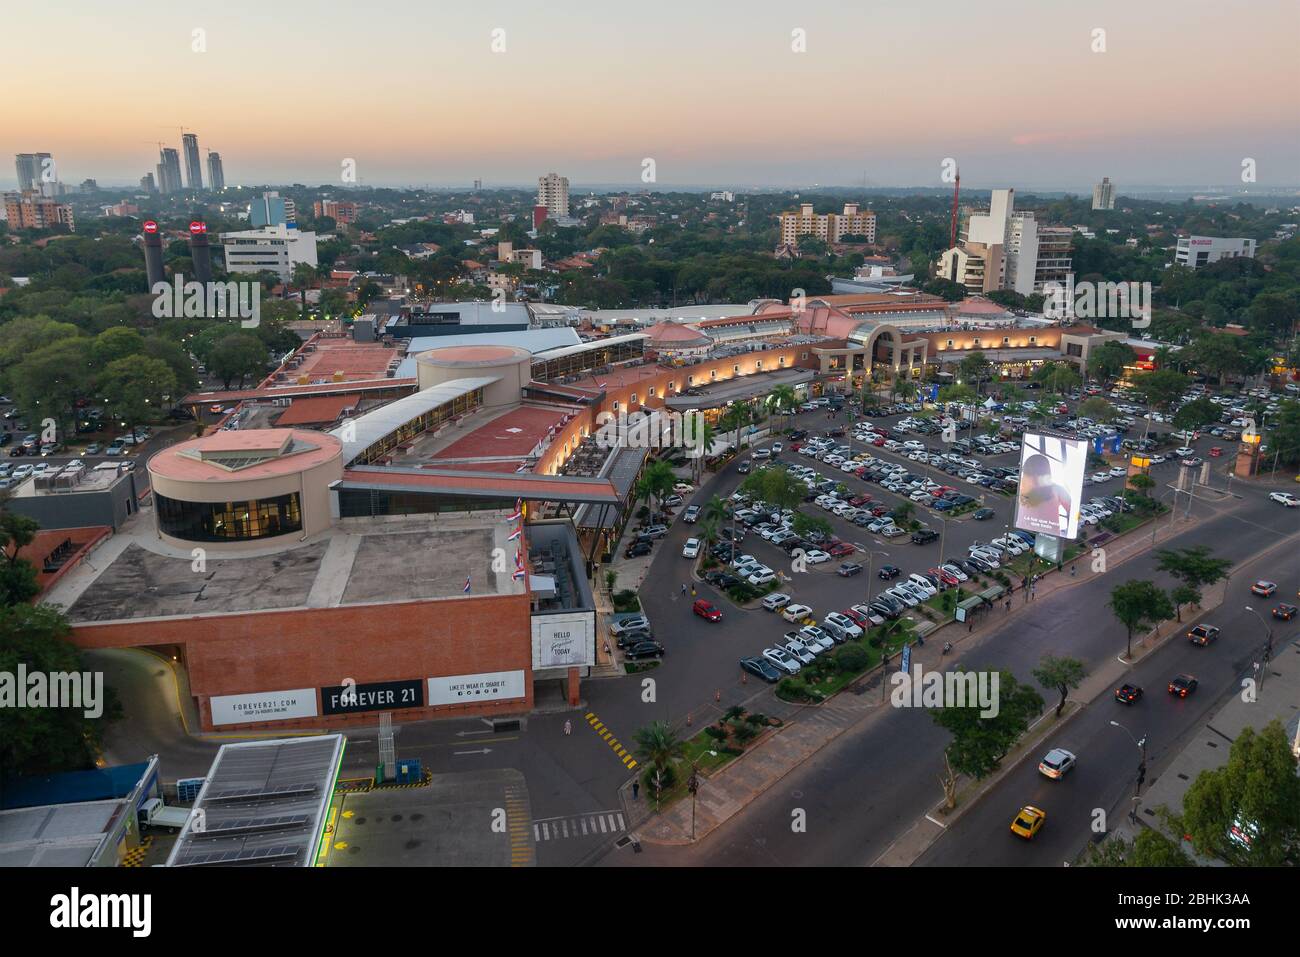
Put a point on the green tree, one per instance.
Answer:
(138, 388)
(1194, 568)
(804, 524)
(1195, 414)
(1149, 849)
(1058, 378)
(50, 380)
(1108, 360)
(658, 745)
(45, 740)
(980, 743)
(656, 482)
(1097, 409)
(1139, 604)
(782, 400)
(116, 343)
(1284, 434)
(1258, 792)
(1061, 675)
(237, 355)
(1160, 389)
(974, 367)
(17, 575)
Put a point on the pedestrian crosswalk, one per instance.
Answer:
(607, 736)
(592, 824)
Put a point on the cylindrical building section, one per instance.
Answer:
(201, 252)
(153, 254)
(511, 364)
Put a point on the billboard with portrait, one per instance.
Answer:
(1051, 484)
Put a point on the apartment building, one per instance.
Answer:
(216, 173)
(342, 211)
(553, 193)
(828, 227)
(272, 209)
(1197, 251)
(28, 209)
(1036, 254)
(1003, 249)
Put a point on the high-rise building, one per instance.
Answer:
(216, 174)
(148, 184)
(1103, 194)
(828, 227)
(169, 170)
(272, 209)
(193, 167)
(1003, 249)
(34, 171)
(28, 209)
(553, 193)
(1036, 254)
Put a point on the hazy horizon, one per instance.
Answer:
(716, 97)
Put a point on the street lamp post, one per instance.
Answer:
(1142, 768)
(1268, 644)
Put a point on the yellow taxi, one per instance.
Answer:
(1028, 822)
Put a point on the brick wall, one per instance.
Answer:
(320, 647)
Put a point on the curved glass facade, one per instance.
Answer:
(228, 521)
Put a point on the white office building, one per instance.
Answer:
(1036, 254)
(277, 248)
(1197, 251)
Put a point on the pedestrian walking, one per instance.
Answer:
(1008, 604)
(636, 787)
(568, 727)
(1072, 569)
(1033, 591)
(683, 588)
(970, 626)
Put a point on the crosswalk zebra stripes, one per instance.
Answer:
(592, 824)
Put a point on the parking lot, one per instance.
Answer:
(961, 492)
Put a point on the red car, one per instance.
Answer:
(840, 549)
(859, 619)
(859, 500)
(948, 578)
(878, 442)
(1215, 452)
(880, 510)
(706, 609)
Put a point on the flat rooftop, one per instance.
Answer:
(60, 835)
(356, 562)
(352, 361)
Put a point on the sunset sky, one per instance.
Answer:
(287, 89)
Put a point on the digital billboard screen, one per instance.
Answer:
(1051, 484)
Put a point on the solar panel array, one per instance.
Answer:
(276, 853)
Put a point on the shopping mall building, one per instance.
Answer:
(427, 547)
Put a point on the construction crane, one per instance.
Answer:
(952, 228)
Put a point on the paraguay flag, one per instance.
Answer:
(466, 588)
(515, 536)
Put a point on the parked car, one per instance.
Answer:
(776, 600)
(645, 649)
(628, 624)
(796, 612)
(781, 659)
(761, 668)
(924, 536)
(849, 569)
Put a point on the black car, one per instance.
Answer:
(1128, 694)
(798, 434)
(744, 467)
(1182, 685)
(646, 649)
(978, 564)
(982, 514)
(888, 572)
(761, 668)
(726, 581)
(883, 610)
(849, 569)
(634, 636)
(637, 549)
(924, 536)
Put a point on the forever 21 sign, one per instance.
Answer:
(381, 696)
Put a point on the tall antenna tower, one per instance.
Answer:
(952, 228)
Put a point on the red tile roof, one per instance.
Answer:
(317, 410)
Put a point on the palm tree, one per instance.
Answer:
(704, 437)
(656, 482)
(658, 745)
(782, 399)
(714, 512)
(738, 414)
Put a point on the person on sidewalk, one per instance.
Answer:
(568, 727)
(636, 787)
(683, 588)
(1073, 568)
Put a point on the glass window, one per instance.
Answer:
(229, 521)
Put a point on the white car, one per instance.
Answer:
(1057, 763)
(799, 651)
(892, 531)
(776, 600)
(782, 660)
(954, 571)
(1118, 470)
(762, 577)
(921, 584)
(22, 472)
(683, 488)
(814, 638)
(1183, 451)
(852, 629)
(691, 549)
(816, 556)
(880, 524)
(795, 612)
(1284, 498)
(904, 595)
(1099, 477)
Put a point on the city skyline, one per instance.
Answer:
(447, 109)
